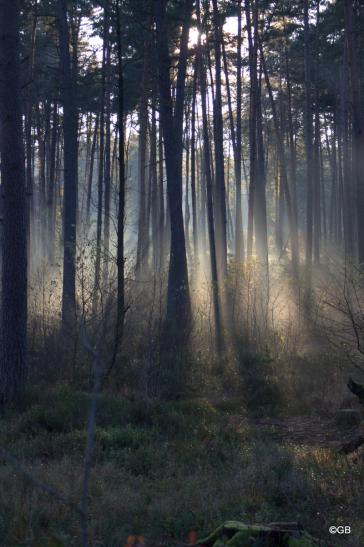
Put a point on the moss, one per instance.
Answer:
(235, 533)
(305, 541)
(210, 540)
(243, 538)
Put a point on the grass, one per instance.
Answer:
(163, 469)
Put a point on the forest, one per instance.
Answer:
(182, 273)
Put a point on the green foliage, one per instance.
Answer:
(259, 385)
(161, 469)
(238, 534)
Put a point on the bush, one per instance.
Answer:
(259, 385)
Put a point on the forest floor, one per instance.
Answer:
(308, 430)
(161, 470)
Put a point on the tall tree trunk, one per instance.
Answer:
(29, 177)
(107, 175)
(252, 128)
(154, 187)
(101, 166)
(260, 209)
(221, 240)
(70, 123)
(187, 215)
(28, 135)
(348, 201)
(239, 234)
(41, 137)
(13, 342)
(120, 258)
(142, 245)
(316, 158)
(261, 230)
(91, 170)
(292, 146)
(51, 185)
(178, 297)
(357, 124)
(236, 138)
(209, 192)
(193, 163)
(161, 228)
(282, 169)
(308, 145)
(332, 156)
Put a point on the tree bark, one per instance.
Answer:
(178, 297)
(101, 166)
(239, 234)
(220, 189)
(193, 162)
(252, 128)
(107, 175)
(316, 156)
(13, 358)
(357, 124)
(51, 185)
(142, 245)
(308, 146)
(70, 127)
(209, 193)
(282, 169)
(91, 170)
(120, 257)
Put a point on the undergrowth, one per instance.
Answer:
(162, 469)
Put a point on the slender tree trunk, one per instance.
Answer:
(193, 163)
(154, 187)
(282, 169)
(29, 177)
(41, 137)
(209, 193)
(51, 185)
(101, 166)
(91, 170)
(346, 168)
(252, 128)
(323, 194)
(292, 146)
(178, 297)
(221, 221)
(142, 245)
(357, 124)
(239, 234)
(308, 146)
(187, 216)
(28, 136)
(107, 174)
(120, 258)
(332, 155)
(236, 138)
(70, 127)
(261, 230)
(316, 155)
(161, 228)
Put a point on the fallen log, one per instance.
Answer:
(277, 534)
